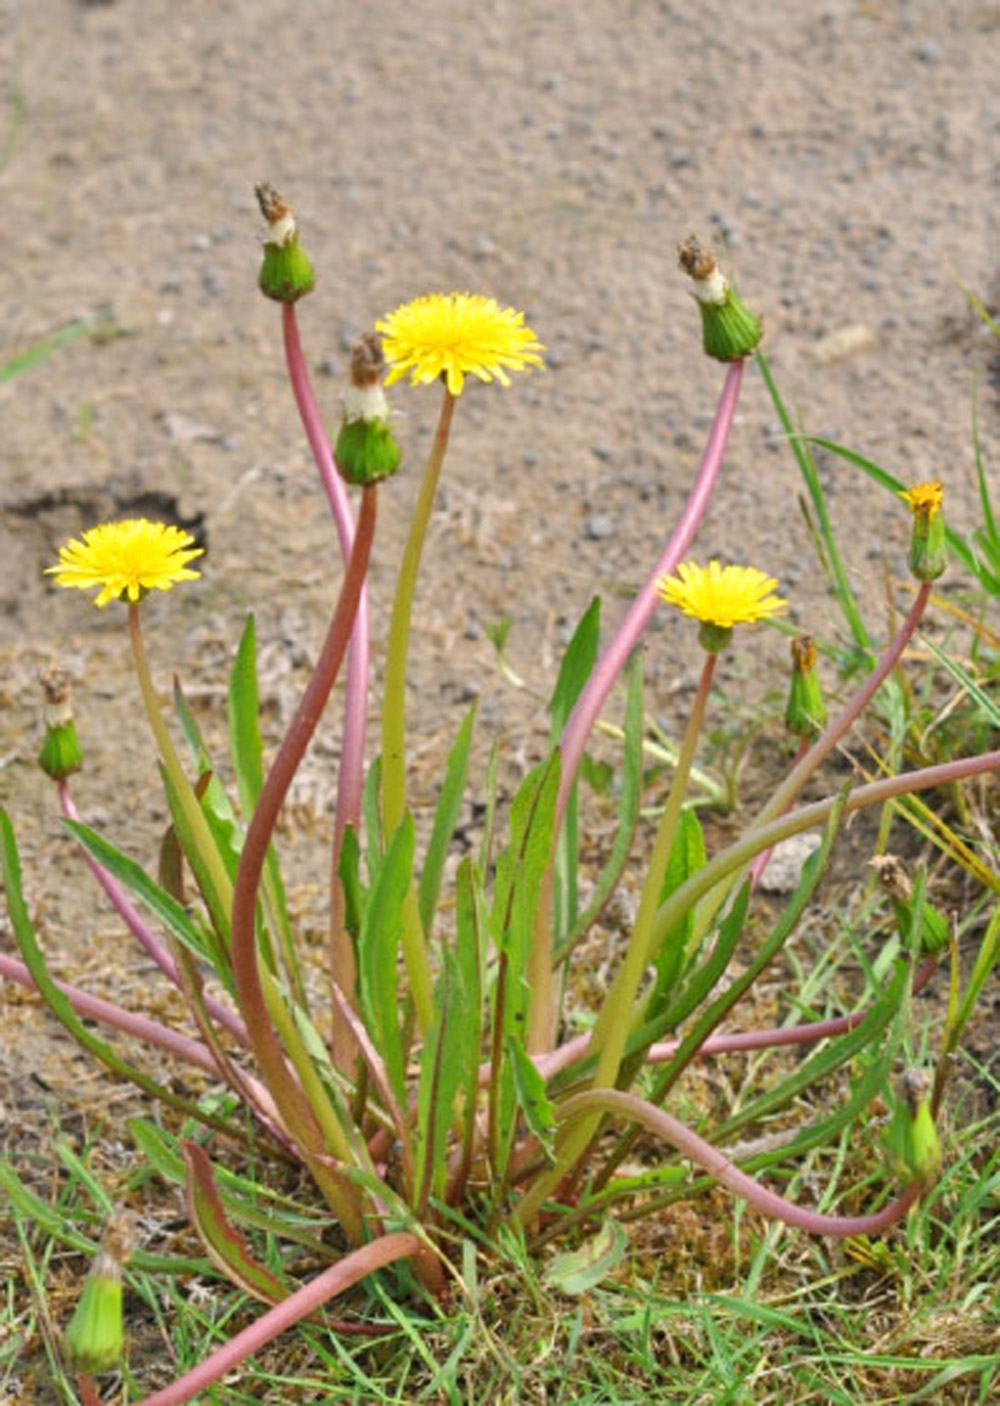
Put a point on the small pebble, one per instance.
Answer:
(598, 526)
(784, 869)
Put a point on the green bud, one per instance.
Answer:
(714, 638)
(805, 714)
(61, 754)
(366, 450)
(913, 1136)
(730, 331)
(928, 549)
(94, 1338)
(928, 545)
(934, 931)
(286, 273)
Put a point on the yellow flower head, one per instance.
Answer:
(722, 596)
(129, 557)
(456, 335)
(924, 499)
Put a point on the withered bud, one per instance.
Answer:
(892, 875)
(367, 361)
(914, 1088)
(56, 686)
(804, 653)
(273, 206)
(696, 261)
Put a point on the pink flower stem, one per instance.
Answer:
(637, 617)
(142, 1027)
(312, 1296)
(150, 944)
(717, 1164)
(350, 776)
(737, 1042)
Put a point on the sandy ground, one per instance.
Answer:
(550, 155)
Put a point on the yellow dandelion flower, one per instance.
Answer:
(924, 499)
(457, 335)
(722, 596)
(127, 558)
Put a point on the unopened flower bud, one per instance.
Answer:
(730, 331)
(928, 546)
(366, 449)
(95, 1337)
(895, 881)
(61, 753)
(805, 714)
(286, 273)
(922, 1147)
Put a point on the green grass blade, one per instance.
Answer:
(956, 543)
(40, 351)
(810, 475)
(965, 681)
(825, 1061)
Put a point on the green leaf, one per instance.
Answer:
(245, 746)
(470, 957)
(378, 951)
(247, 752)
(628, 811)
(716, 1012)
(355, 892)
(516, 890)
(696, 985)
(986, 959)
(576, 667)
(223, 1243)
(137, 881)
(443, 1071)
(964, 680)
(446, 816)
(687, 858)
(574, 671)
(579, 1271)
(532, 1097)
(218, 911)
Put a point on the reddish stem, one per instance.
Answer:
(717, 1164)
(637, 617)
(351, 770)
(340, 1276)
(741, 1040)
(243, 953)
(351, 773)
